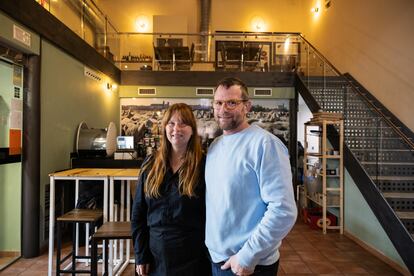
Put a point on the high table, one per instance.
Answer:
(104, 175)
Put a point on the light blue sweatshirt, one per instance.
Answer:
(250, 205)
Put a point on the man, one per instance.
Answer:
(250, 205)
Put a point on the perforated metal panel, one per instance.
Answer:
(401, 204)
(373, 143)
(369, 132)
(333, 106)
(390, 169)
(409, 224)
(395, 185)
(361, 113)
(393, 155)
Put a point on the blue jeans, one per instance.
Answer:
(259, 270)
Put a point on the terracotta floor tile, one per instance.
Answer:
(323, 245)
(311, 256)
(322, 268)
(305, 246)
(286, 246)
(295, 267)
(335, 255)
(289, 256)
(350, 267)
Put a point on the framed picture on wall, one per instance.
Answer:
(141, 118)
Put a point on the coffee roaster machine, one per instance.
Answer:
(96, 142)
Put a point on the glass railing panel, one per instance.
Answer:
(244, 52)
(303, 61)
(218, 52)
(286, 53)
(85, 19)
(69, 13)
(113, 43)
(136, 51)
(94, 27)
(316, 78)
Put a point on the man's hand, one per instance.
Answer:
(142, 269)
(233, 263)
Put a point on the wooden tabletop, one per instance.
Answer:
(127, 173)
(85, 215)
(114, 230)
(85, 172)
(93, 172)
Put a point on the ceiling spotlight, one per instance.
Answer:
(258, 24)
(142, 23)
(315, 9)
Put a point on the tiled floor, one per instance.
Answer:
(304, 252)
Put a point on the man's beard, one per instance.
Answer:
(229, 124)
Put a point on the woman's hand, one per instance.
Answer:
(142, 269)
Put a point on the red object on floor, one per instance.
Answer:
(313, 217)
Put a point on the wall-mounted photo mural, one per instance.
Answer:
(142, 117)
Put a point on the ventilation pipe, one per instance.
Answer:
(205, 28)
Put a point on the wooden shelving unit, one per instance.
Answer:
(331, 160)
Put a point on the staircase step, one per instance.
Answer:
(373, 127)
(399, 150)
(377, 138)
(395, 186)
(359, 142)
(399, 195)
(367, 133)
(373, 117)
(387, 163)
(400, 201)
(362, 122)
(405, 215)
(393, 178)
(359, 109)
(388, 155)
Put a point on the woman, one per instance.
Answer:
(168, 216)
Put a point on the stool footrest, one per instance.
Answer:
(75, 271)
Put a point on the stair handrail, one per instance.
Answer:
(320, 55)
(406, 139)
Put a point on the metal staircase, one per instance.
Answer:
(379, 148)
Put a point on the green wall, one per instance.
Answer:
(361, 222)
(10, 206)
(10, 174)
(67, 98)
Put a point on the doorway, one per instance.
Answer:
(11, 127)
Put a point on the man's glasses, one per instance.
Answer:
(230, 104)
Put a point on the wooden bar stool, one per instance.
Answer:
(85, 216)
(112, 230)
